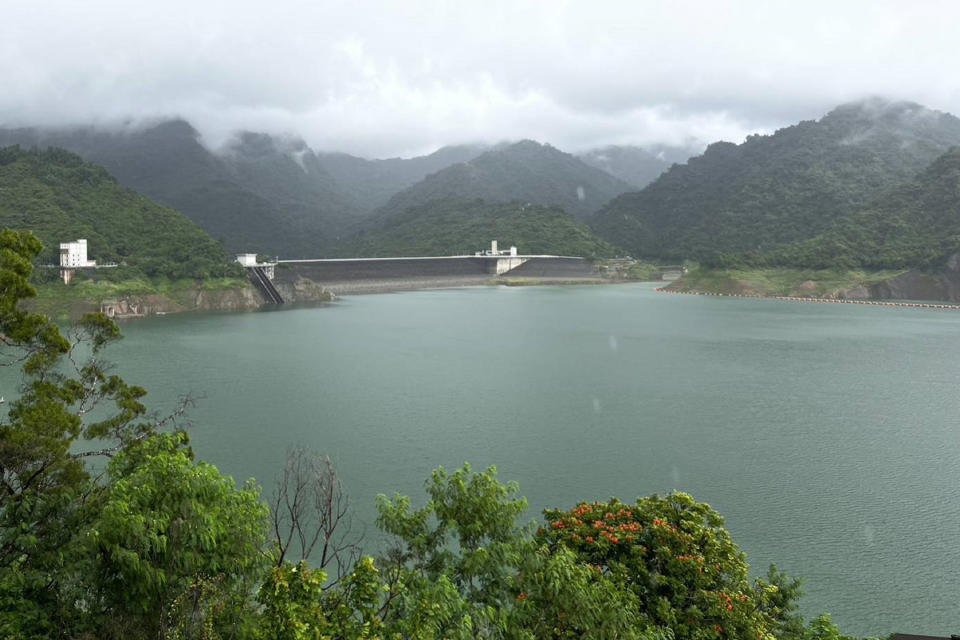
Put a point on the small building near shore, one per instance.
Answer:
(249, 261)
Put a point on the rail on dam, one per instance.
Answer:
(262, 282)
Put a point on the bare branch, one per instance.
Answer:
(311, 515)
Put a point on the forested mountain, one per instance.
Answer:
(259, 195)
(271, 194)
(635, 165)
(525, 171)
(914, 226)
(779, 188)
(59, 197)
(371, 183)
(451, 227)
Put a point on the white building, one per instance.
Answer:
(247, 259)
(74, 254)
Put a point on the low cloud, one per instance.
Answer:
(399, 78)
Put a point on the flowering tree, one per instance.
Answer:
(675, 556)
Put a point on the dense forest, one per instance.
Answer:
(59, 197)
(110, 528)
(260, 194)
(525, 171)
(916, 226)
(451, 227)
(780, 188)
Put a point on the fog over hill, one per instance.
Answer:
(254, 193)
(779, 188)
(637, 165)
(524, 171)
(274, 194)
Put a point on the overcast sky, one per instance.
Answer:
(383, 79)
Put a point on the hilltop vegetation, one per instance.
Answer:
(780, 188)
(371, 183)
(450, 227)
(260, 194)
(914, 226)
(522, 172)
(59, 197)
(270, 194)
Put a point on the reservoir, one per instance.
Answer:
(827, 435)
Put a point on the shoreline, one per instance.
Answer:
(297, 294)
(873, 303)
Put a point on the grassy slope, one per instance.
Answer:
(62, 301)
(780, 281)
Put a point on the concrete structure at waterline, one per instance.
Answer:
(261, 274)
(358, 275)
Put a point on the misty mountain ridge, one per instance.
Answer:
(638, 166)
(257, 192)
(779, 188)
(524, 171)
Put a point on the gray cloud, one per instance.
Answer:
(404, 77)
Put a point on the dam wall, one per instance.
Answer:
(372, 275)
(554, 267)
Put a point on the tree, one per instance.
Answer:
(166, 524)
(674, 555)
(310, 514)
(463, 567)
(79, 551)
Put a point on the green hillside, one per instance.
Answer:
(258, 194)
(371, 183)
(270, 194)
(914, 226)
(522, 172)
(779, 188)
(453, 227)
(59, 197)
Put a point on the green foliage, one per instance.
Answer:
(675, 556)
(59, 197)
(80, 552)
(297, 607)
(167, 521)
(914, 226)
(525, 172)
(781, 188)
(453, 227)
(464, 568)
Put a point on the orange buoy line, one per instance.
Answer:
(873, 303)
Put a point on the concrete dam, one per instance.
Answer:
(373, 275)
